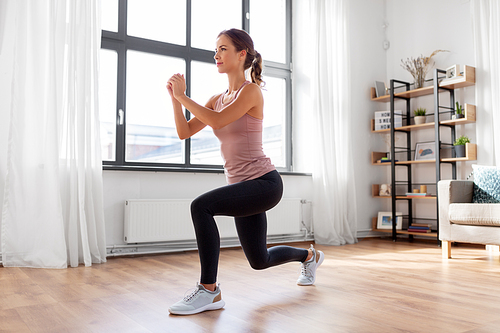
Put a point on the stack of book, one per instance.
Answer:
(419, 227)
(385, 160)
(417, 195)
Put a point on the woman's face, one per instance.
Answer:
(227, 57)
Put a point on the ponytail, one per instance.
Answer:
(256, 70)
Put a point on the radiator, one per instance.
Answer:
(170, 220)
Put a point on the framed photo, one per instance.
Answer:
(425, 151)
(385, 190)
(380, 88)
(453, 71)
(385, 220)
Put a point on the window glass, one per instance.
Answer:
(268, 18)
(161, 20)
(107, 103)
(206, 82)
(209, 19)
(274, 132)
(109, 15)
(151, 134)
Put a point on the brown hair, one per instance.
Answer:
(242, 41)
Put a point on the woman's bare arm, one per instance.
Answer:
(249, 99)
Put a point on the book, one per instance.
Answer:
(421, 225)
(452, 80)
(415, 195)
(419, 230)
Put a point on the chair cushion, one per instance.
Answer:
(486, 184)
(475, 214)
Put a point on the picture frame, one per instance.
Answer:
(453, 71)
(380, 88)
(425, 151)
(384, 220)
(385, 190)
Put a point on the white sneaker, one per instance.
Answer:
(198, 301)
(308, 268)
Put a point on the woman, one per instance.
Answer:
(254, 184)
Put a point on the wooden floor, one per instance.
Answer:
(373, 286)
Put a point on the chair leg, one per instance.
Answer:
(495, 249)
(446, 249)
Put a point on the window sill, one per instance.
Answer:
(181, 169)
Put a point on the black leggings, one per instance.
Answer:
(248, 202)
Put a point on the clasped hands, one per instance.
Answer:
(176, 85)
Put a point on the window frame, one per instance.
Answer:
(120, 42)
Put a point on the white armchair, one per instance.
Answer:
(460, 220)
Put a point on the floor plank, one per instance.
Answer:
(375, 285)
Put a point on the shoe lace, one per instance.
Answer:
(304, 270)
(191, 295)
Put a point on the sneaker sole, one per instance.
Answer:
(209, 307)
(321, 258)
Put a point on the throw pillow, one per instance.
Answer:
(486, 184)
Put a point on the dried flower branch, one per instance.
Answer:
(419, 67)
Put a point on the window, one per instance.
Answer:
(144, 42)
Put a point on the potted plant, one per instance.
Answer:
(459, 145)
(459, 111)
(419, 116)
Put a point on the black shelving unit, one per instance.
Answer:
(441, 113)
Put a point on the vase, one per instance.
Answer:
(419, 79)
(459, 151)
(419, 120)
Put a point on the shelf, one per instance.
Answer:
(469, 113)
(468, 79)
(415, 162)
(470, 117)
(470, 155)
(402, 197)
(376, 191)
(377, 155)
(432, 234)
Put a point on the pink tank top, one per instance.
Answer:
(241, 146)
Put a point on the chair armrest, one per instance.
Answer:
(455, 191)
(451, 191)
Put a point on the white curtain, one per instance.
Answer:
(486, 23)
(52, 213)
(334, 202)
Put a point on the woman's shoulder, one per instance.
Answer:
(251, 89)
(251, 85)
